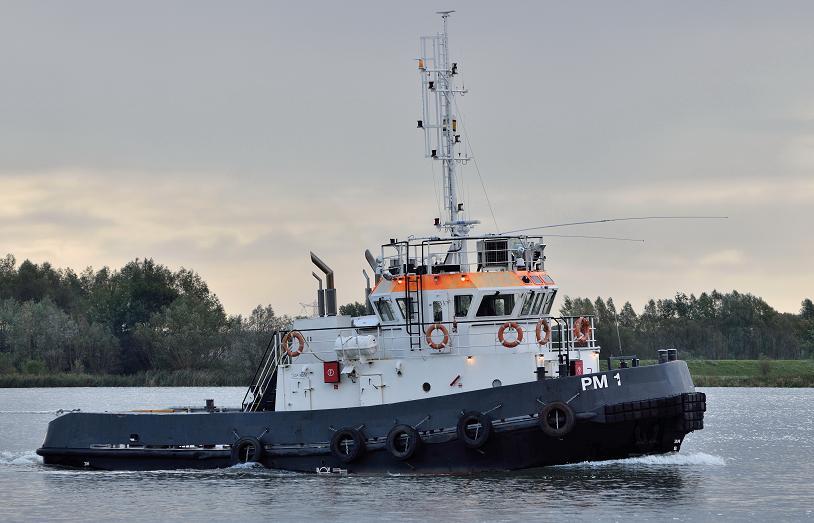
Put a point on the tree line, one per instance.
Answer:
(139, 318)
(145, 317)
(712, 325)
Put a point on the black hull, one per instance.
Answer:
(650, 413)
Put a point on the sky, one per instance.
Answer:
(234, 137)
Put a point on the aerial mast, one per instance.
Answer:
(440, 123)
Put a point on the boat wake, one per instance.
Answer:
(247, 466)
(673, 459)
(19, 459)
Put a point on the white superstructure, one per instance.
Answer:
(450, 313)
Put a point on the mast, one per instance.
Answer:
(440, 123)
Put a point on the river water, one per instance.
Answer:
(753, 461)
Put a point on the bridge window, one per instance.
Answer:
(462, 303)
(406, 304)
(528, 299)
(385, 309)
(496, 305)
(538, 301)
(549, 302)
(437, 311)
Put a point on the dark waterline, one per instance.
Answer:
(752, 461)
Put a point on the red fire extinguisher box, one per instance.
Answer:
(576, 368)
(331, 371)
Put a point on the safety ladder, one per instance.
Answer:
(412, 306)
(262, 391)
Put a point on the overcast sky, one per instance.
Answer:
(234, 137)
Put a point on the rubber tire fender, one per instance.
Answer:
(413, 442)
(557, 408)
(470, 418)
(353, 453)
(243, 443)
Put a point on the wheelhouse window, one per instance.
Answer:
(385, 309)
(437, 311)
(496, 305)
(405, 305)
(462, 303)
(549, 302)
(538, 301)
(528, 301)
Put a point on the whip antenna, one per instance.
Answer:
(606, 220)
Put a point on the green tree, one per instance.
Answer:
(354, 309)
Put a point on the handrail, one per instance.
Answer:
(396, 339)
(267, 365)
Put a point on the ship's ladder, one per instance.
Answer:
(262, 391)
(412, 309)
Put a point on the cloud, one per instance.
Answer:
(723, 258)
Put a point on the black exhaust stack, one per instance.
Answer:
(368, 290)
(320, 295)
(330, 290)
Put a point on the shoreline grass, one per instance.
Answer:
(705, 373)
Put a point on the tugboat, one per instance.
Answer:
(459, 365)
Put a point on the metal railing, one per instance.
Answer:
(261, 391)
(396, 341)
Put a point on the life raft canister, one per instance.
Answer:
(542, 325)
(246, 450)
(557, 419)
(510, 343)
(403, 441)
(474, 429)
(431, 330)
(347, 444)
(297, 335)
(582, 330)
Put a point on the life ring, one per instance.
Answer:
(246, 450)
(542, 325)
(347, 444)
(506, 343)
(431, 330)
(556, 419)
(582, 330)
(474, 429)
(297, 335)
(403, 441)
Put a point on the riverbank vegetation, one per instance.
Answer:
(142, 325)
(714, 326)
(147, 325)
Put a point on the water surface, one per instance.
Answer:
(754, 460)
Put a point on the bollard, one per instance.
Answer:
(662, 355)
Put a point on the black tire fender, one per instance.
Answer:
(403, 441)
(557, 419)
(347, 444)
(474, 429)
(246, 450)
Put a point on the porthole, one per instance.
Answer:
(497, 383)
(426, 387)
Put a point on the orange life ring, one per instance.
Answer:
(582, 330)
(437, 327)
(287, 343)
(542, 325)
(506, 343)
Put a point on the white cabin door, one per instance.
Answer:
(297, 393)
(436, 310)
(370, 390)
